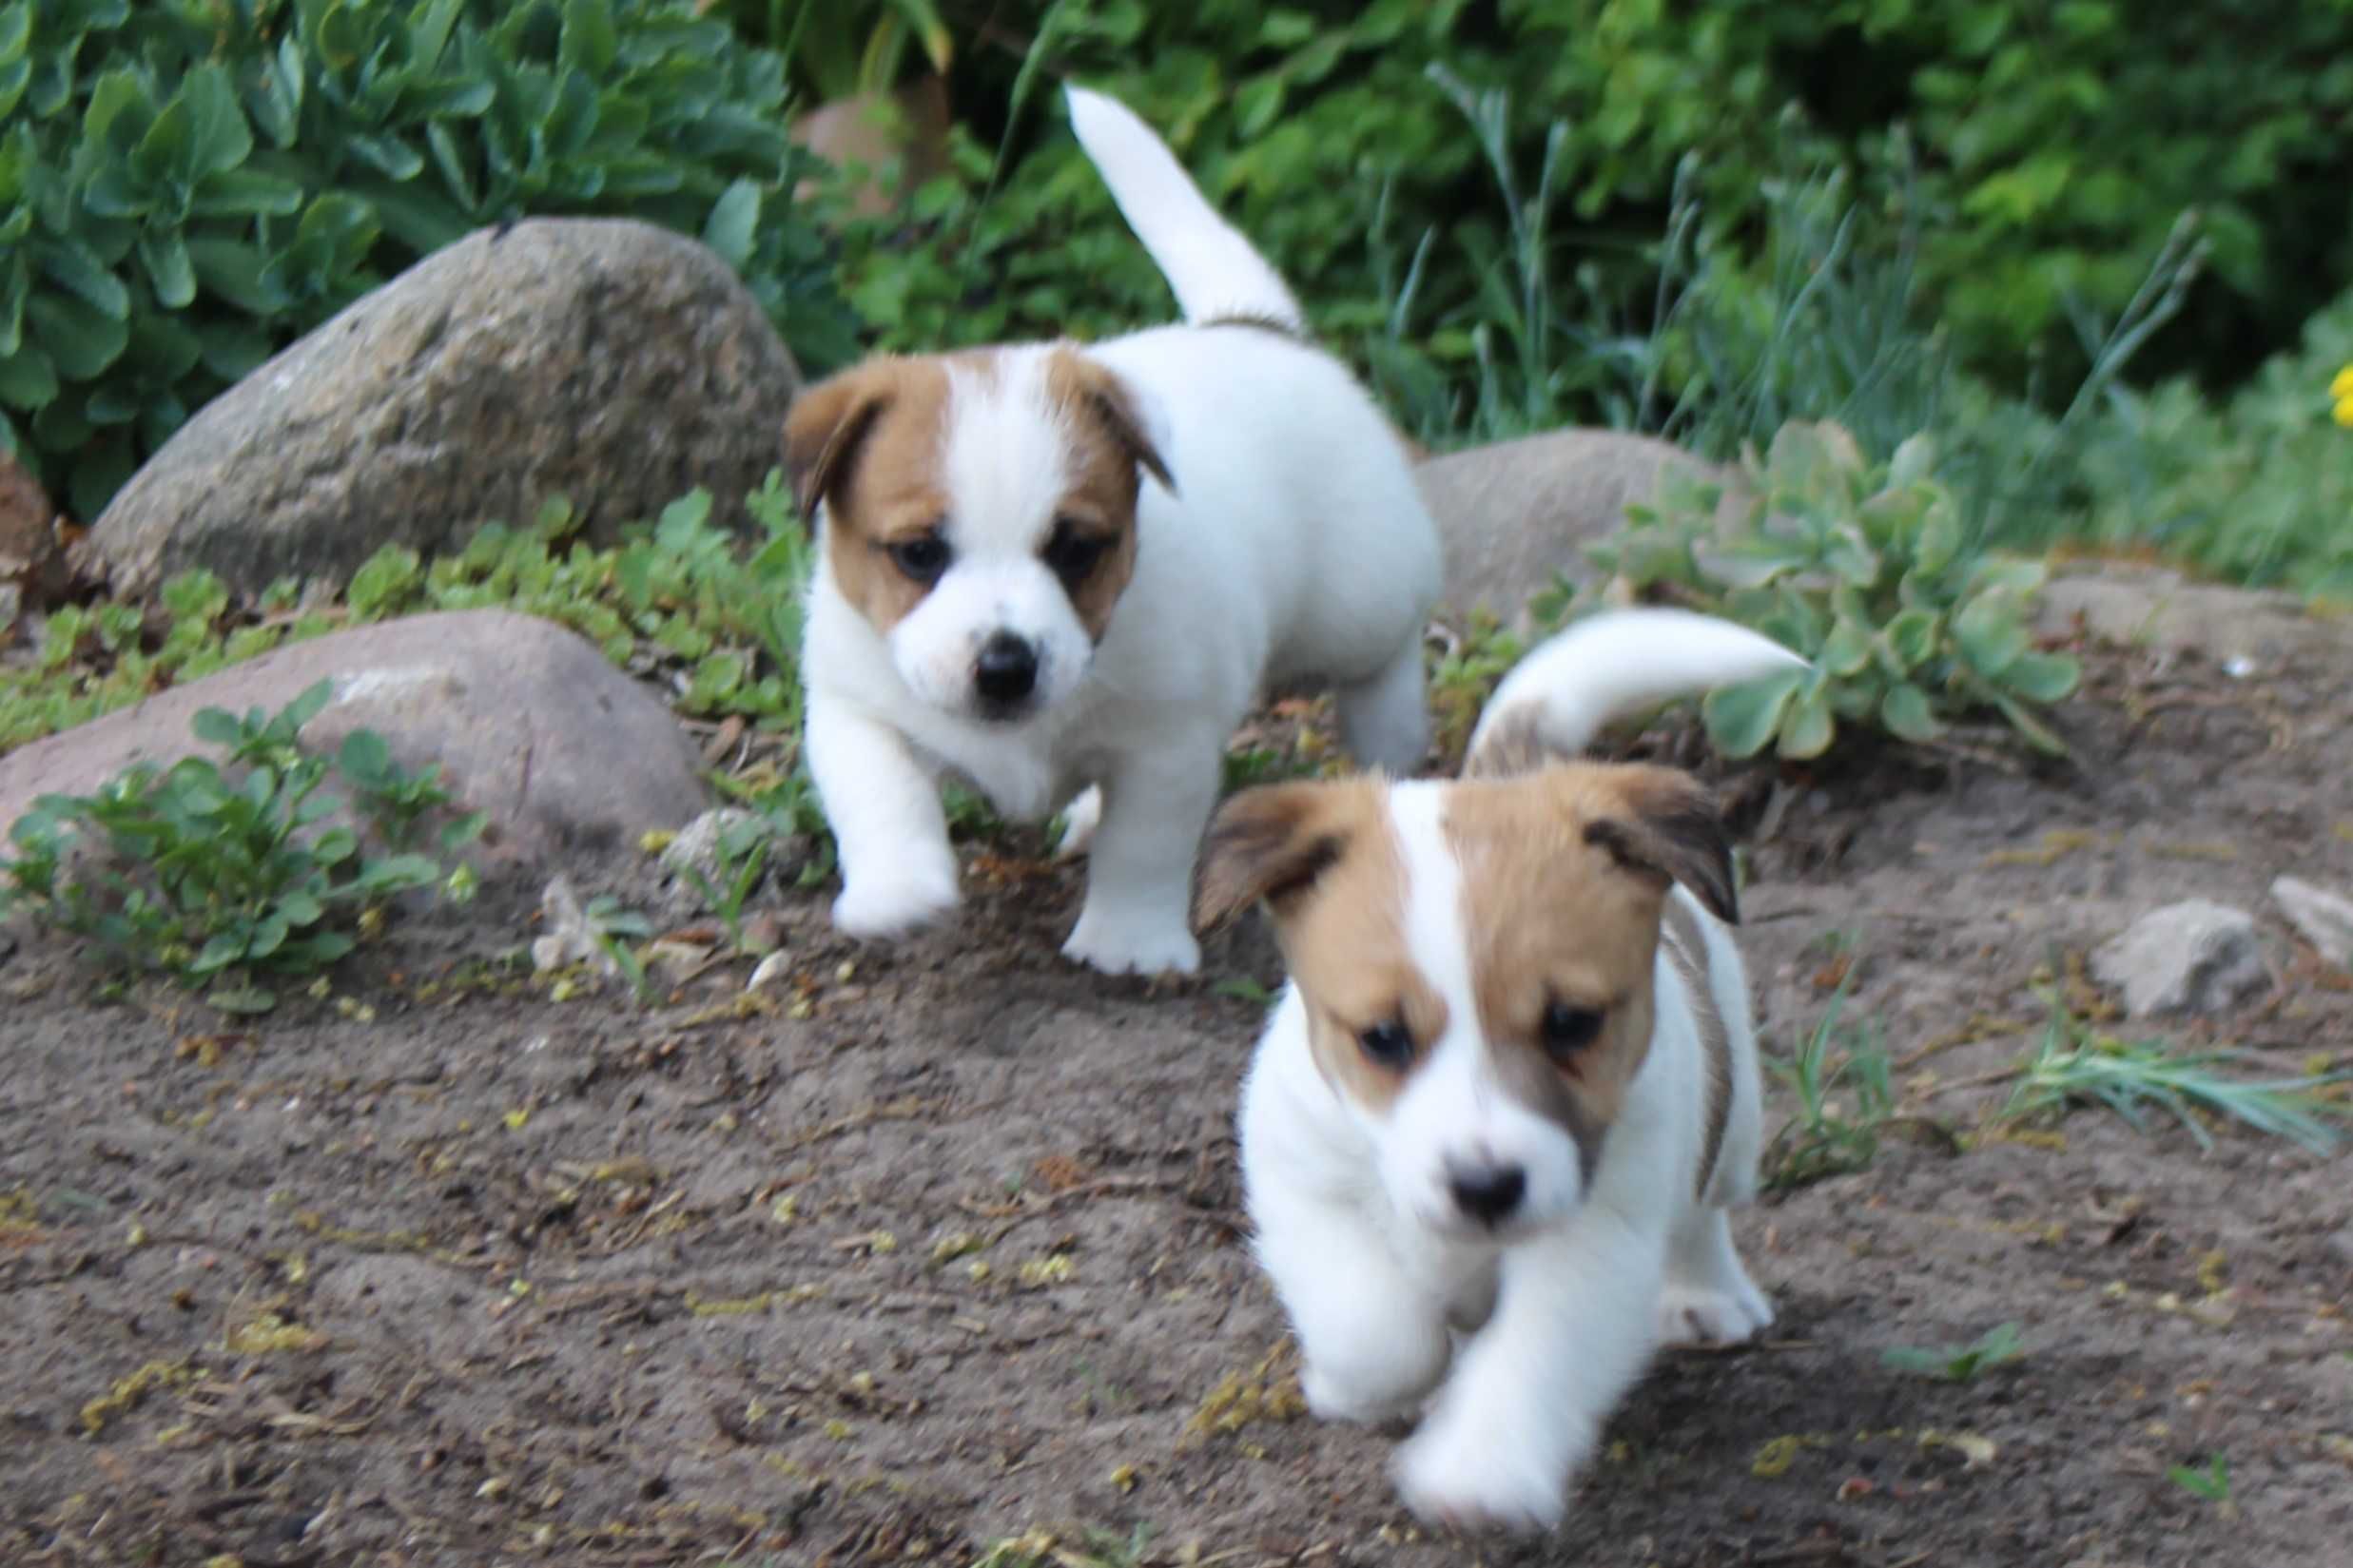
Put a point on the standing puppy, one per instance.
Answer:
(1511, 1088)
(1050, 569)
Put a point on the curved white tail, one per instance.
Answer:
(1619, 662)
(1215, 271)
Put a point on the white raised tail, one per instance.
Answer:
(1608, 665)
(1215, 271)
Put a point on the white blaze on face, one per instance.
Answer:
(1006, 468)
(1455, 1119)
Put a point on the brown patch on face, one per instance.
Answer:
(1108, 454)
(866, 442)
(1324, 858)
(1565, 876)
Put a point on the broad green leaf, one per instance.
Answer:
(28, 378)
(1742, 720)
(1991, 632)
(269, 933)
(1846, 650)
(238, 273)
(2005, 573)
(1940, 537)
(1849, 556)
(733, 226)
(218, 954)
(365, 755)
(1907, 714)
(318, 949)
(590, 41)
(1808, 725)
(220, 139)
(1914, 460)
(1753, 562)
(246, 193)
(82, 341)
(2043, 677)
(217, 726)
(169, 271)
(309, 703)
(76, 269)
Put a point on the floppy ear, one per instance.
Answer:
(1672, 829)
(1128, 414)
(822, 430)
(1268, 843)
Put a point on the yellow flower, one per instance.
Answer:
(2344, 411)
(2342, 388)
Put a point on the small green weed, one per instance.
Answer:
(2210, 1482)
(217, 873)
(1865, 567)
(743, 852)
(1243, 989)
(2076, 1064)
(1825, 1139)
(1998, 1347)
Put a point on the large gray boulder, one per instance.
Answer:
(531, 723)
(604, 360)
(1513, 514)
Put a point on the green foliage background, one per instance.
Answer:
(2044, 151)
(188, 186)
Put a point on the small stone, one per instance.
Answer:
(570, 937)
(2323, 919)
(773, 968)
(699, 849)
(2190, 957)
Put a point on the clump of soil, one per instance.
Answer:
(935, 1246)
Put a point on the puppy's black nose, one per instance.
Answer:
(1006, 670)
(1489, 1194)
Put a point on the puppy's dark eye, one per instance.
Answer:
(1073, 555)
(1387, 1044)
(922, 558)
(1569, 1030)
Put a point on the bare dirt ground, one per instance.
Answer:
(941, 1246)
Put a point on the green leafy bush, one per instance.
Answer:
(2257, 489)
(217, 872)
(678, 599)
(1865, 569)
(2041, 156)
(186, 186)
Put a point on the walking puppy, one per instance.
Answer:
(1053, 568)
(1511, 1088)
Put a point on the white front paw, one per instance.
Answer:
(1688, 1316)
(893, 903)
(1132, 943)
(1468, 1474)
(1337, 1399)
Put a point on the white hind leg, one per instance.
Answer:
(1384, 720)
(1709, 1298)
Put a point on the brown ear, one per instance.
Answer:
(1672, 830)
(1100, 395)
(822, 430)
(1269, 844)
